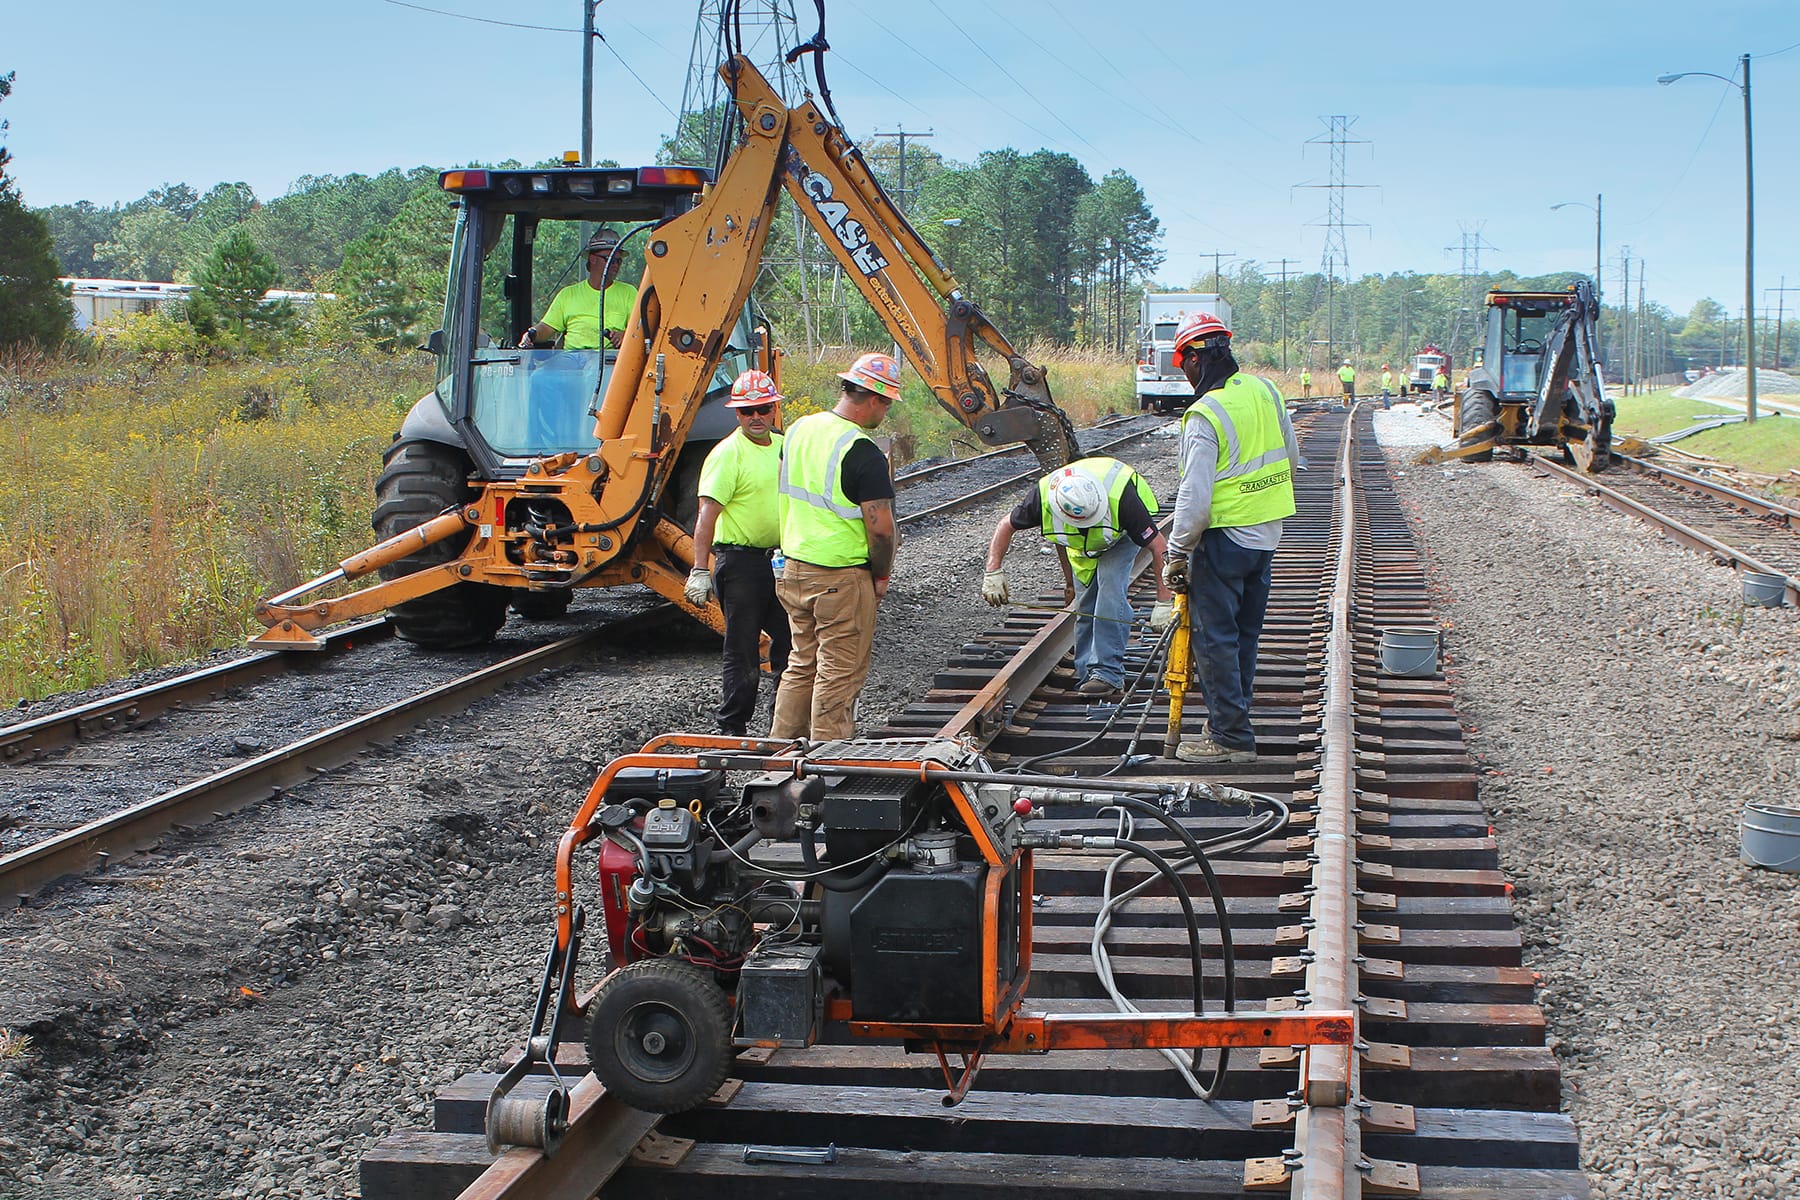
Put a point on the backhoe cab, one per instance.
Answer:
(1537, 380)
(531, 472)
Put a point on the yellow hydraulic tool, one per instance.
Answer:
(1176, 673)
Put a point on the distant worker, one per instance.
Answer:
(837, 533)
(1097, 512)
(1442, 383)
(1387, 386)
(1347, 377)
(735, 535)
(1238, 455)
(589, 309)
(1305, 383)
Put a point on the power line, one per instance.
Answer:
(480, 20)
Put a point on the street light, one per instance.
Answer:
(1749, 233)
(1599, 349)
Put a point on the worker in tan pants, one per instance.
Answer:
(836, 507)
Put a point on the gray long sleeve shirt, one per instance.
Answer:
(1193, 502)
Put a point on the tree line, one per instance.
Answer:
(1048, 251)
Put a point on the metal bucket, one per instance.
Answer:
(1412, 653)
(1771, 836)
(1767, 591)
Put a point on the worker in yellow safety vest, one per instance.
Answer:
(1096, 512)
(592, 312)
(836, 509)
(1387, 386)
(1347, 377)
(1238, 456)
(1305, 384)
(1442, 383)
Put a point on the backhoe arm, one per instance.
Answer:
(911, 291)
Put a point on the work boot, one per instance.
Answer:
(1096, 686)
(1205, 750)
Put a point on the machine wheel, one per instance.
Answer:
(659, 1035)
(418, 481)
(542, 606)
(1478, 408)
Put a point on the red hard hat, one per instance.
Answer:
(1199, 328)
(753, 389)
(877, 372)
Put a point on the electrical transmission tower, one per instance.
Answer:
(1469, 306)
(1335, 256)
(767, 31)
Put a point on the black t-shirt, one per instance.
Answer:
(865, 475)
(1139, 525)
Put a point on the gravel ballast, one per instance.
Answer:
(245, 1011)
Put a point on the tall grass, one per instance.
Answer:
(151, 497)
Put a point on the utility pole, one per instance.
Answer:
(1643, 350)
(900, 192)
(1625, 317)
(1780, 312)
(1284, 300)
(1217, 255)
(587, 81)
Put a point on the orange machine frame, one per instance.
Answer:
(1005, 1028)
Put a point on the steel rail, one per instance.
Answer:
(1327, 1134)
(26, 740)
(1726, 555)
(92, 845)
(1761, 506)
(1011, 481)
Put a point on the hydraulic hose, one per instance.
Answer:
(809, 854)
(1131, 689)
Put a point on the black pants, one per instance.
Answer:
(746, 585)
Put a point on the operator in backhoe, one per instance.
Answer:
(836, 507)
(1238, 455)
(1097, 512)
(1347, 377)
(588, 310)
(736, 535)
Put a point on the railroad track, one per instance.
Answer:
(1735, 528)
(1384, 896)
(71, 844)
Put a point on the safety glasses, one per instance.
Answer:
(761, 410)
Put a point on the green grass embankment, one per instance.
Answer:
(1770, 447)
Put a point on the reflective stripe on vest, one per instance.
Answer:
(1254, 481)
(819, 524)
(1085, 546)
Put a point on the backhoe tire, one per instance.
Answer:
(418, 481)
(659, 1035)
(1478, 408)
(542, 606)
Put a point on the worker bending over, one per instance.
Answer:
(1237, 459)
(836, 508)
(1097, 512)
(735, 536)
(590, 309)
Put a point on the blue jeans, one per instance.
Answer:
(1228, 595)
(1105, 621)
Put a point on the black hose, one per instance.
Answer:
(809, 854)
(1193, 925)
(1158, 651)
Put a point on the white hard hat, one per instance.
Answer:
(1079, 498)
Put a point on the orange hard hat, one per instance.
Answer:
(752, 390)
(877, 372)
(1200, 327)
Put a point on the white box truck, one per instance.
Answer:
(1160, 384)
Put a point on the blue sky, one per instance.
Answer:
(1208, 106)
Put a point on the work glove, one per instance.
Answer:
(1162, 615)
(1175, 572)
(993, 588)
(699, 587)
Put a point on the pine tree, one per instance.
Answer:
(229, 290)
(34, 307)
